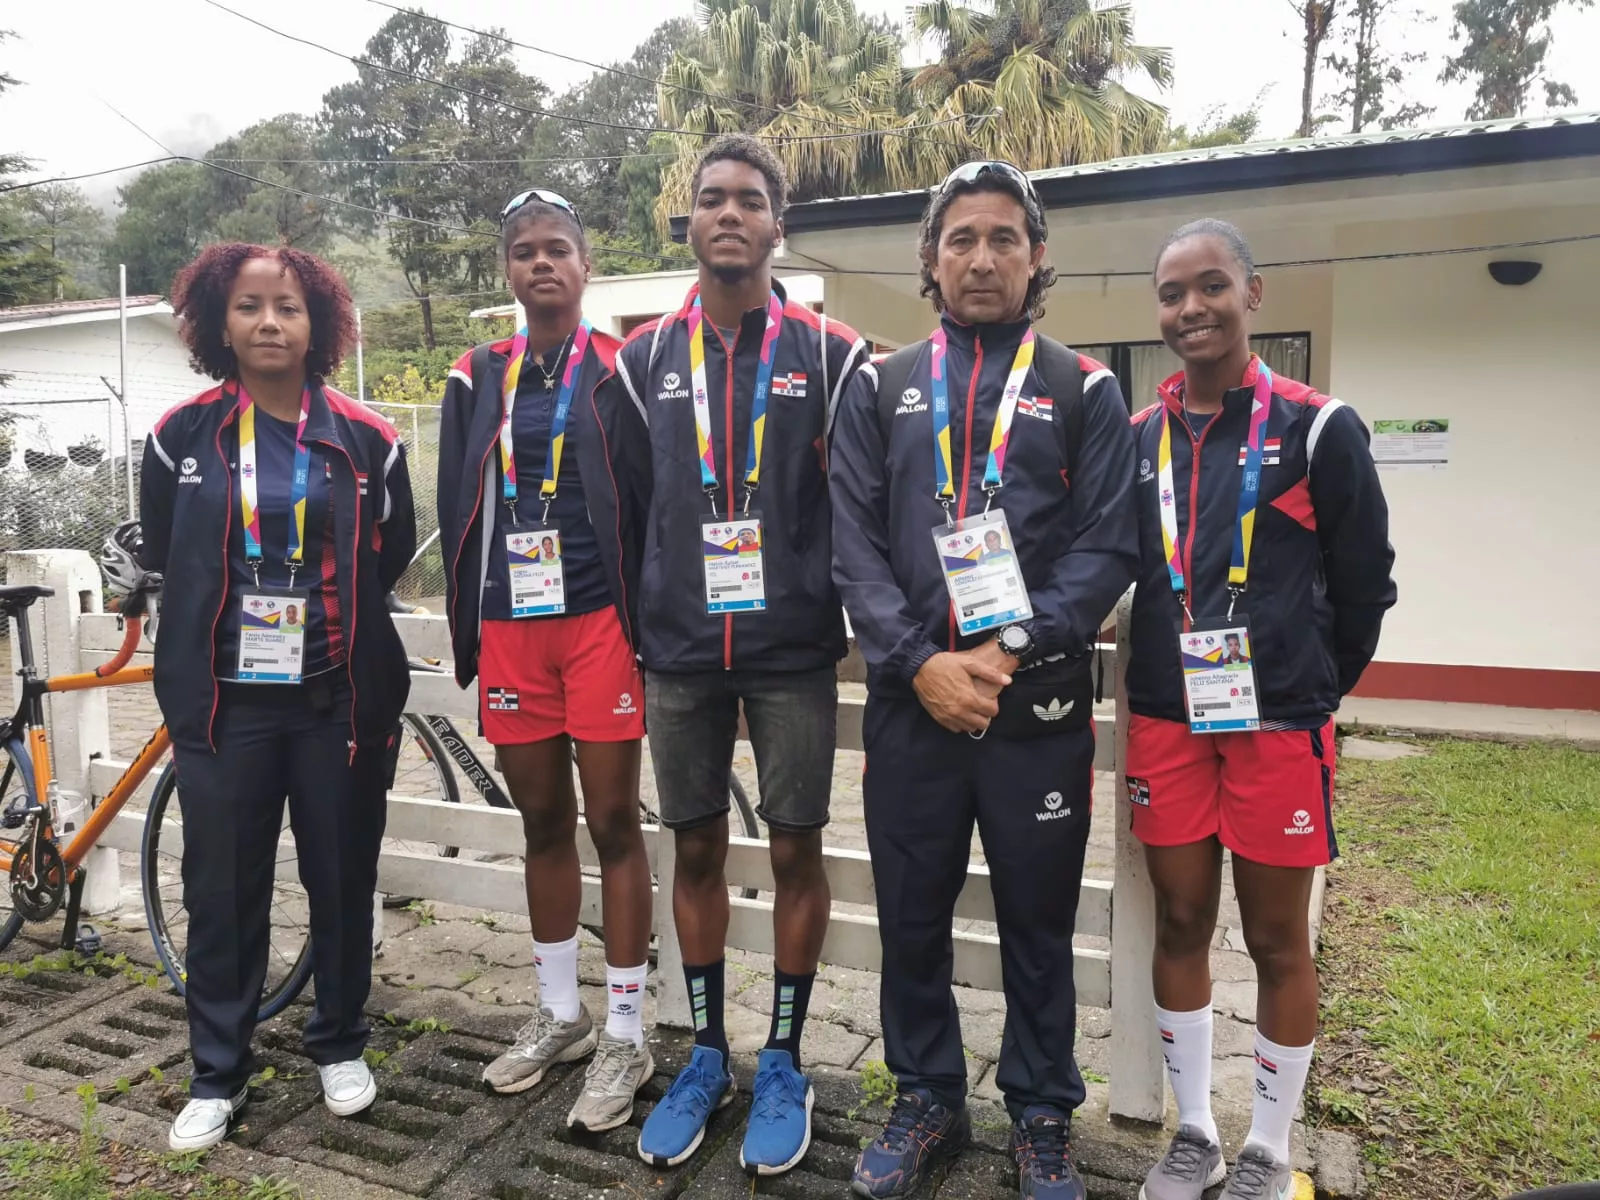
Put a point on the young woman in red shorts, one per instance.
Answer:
(540, 552)
(1265, 574)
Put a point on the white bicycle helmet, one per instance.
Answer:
(120, 556)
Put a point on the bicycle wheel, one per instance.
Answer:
(742, 815)
(16, 787)
(161, 866)
(423, 772)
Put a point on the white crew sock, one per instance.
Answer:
(625, 1002)
(1186, 1045)
(556, 964)
(1280, 1079)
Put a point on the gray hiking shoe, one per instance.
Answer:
(541, 1043)
(1259, 1176)
(618, 1071)
(1192, 1163)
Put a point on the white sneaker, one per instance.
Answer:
(204, 1123)
(348, 1087)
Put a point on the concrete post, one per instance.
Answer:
(1138, 1076)
(79, 726)
(672, 994)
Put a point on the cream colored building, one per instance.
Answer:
(1499, 549)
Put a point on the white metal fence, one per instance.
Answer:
(75, 631)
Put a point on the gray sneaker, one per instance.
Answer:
(618, 1071)
(541, 1043)
(1259, 1176)
(1192, 1163)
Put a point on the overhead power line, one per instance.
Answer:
(540, 112)
(435, 161)
(33, 183)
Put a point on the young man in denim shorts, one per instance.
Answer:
(731, 399)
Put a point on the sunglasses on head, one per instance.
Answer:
(544, 197)
(970, 172)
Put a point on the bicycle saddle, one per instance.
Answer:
(23, 594)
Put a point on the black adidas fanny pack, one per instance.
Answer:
(1051, 697)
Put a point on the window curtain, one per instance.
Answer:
(1148, 366)
(1286, 356)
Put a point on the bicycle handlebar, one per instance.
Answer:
(130, 642)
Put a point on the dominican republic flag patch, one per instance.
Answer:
(503, 700)
(1037, 406)
(1271, 452)
(793, 384)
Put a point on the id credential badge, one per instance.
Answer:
(976, 554)
(272, 620)
(982, 572)
(533, 552)
(538, 588)
(272, 635)
(1219, 680)
(730, 546)
(736, 580)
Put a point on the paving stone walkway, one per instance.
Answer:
(451, 987)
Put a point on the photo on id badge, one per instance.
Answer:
(982, 573)
(1219, 677)
(735, 580)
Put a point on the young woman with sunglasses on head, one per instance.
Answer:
(280, 513)
(1264, 577)
(540, 543)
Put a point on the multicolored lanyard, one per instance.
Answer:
(1249, 493)
(943, 469)
(558, 418)
(299, 485)
(758, 405)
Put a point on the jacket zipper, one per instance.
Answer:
(966, 456)
(727, 450)
(227, 531)
(355, 607)
(622, 578)
(1194, 503)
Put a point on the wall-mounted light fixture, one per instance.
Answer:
(1514, 272)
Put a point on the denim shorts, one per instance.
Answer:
(693, 721)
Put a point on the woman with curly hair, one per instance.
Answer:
(280, 513)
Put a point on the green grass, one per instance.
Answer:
(53, 1163)
(1463, 962)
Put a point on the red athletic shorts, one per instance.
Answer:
(544, 676)
(1268, 796)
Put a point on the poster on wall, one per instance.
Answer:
(1411, 445)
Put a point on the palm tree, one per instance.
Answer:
(809, 74)
(1040, 82)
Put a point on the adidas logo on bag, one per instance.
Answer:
(1054, 711)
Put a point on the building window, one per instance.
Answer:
(1141, 367)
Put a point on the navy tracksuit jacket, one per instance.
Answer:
(1320, 563)
(802, 628)
(1076, 538)
(241, 748)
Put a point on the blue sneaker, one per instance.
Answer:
(919, 1134)
(676, 1127)
(780, 1116)
(1041, 1144)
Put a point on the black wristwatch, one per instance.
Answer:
(1017, 642)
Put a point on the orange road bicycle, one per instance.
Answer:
(46, 834)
